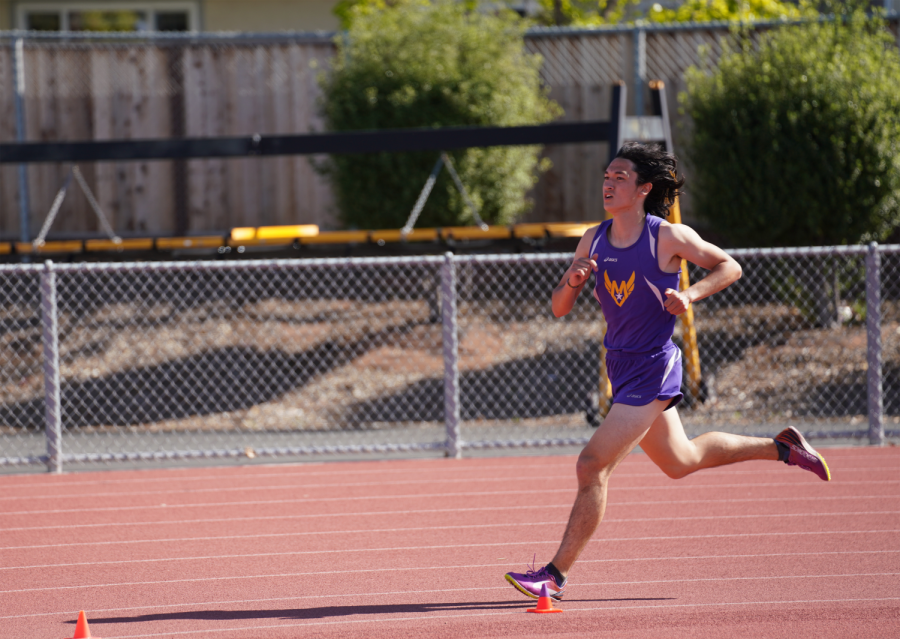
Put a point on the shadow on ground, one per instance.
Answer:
(558, 383)
(216, 381)
(325, 612)
(237, 378)
(850, 396)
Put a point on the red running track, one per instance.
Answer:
(419, 549)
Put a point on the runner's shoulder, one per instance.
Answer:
(584, 244)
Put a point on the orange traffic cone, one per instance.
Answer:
(545, 603)
(81, 628)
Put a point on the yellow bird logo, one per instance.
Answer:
(619, 290)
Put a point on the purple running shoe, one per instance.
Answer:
(802, 454)
(529, 584)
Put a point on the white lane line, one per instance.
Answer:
(187, 606)
(300, 574)
(514, 471)
(310, 500)
(226, 489)
(615, 504)
(482, 545)
(443, 567)
(338, 469)
(381, 513)
(304, 533)
(760, 578)
(65, 528)
(470, 614)
(249, 601)
(44, 483)
(301, 487)
(335, 514)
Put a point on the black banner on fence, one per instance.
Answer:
(317, 143)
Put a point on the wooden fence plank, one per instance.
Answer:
(282, 107)
(321, 203)
(151, 118)
(9, 176)
(40, 90)
(104, 173)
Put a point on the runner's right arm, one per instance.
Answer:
(576, 276)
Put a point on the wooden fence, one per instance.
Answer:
(216, 86)
(138, 91)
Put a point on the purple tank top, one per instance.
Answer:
(630, 287)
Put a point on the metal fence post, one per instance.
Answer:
(50, 334)
(450, 341)
(19, 79)
(639, 41)
(873, 341)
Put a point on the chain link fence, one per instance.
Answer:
(181, 361)
(820, 323)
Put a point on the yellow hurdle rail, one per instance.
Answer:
(287, 235)
(688, 328)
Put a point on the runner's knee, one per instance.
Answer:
(677, 469)
(591, 469)
(680, 463)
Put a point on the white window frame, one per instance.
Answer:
(150, 8)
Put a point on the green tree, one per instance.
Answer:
(730, 10)
(598, 12)
(423, 64)
(796, 139)
(591, 13)
(346, 10)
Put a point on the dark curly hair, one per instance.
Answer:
(652, 164)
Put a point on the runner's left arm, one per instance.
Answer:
(677, 242)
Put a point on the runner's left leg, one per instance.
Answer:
(669, 448)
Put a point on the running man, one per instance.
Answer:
(636, 256)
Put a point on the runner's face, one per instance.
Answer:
(620, 189)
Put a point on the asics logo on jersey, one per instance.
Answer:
(611, 259)
(619, 290)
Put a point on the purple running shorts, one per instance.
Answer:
(638, 379)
